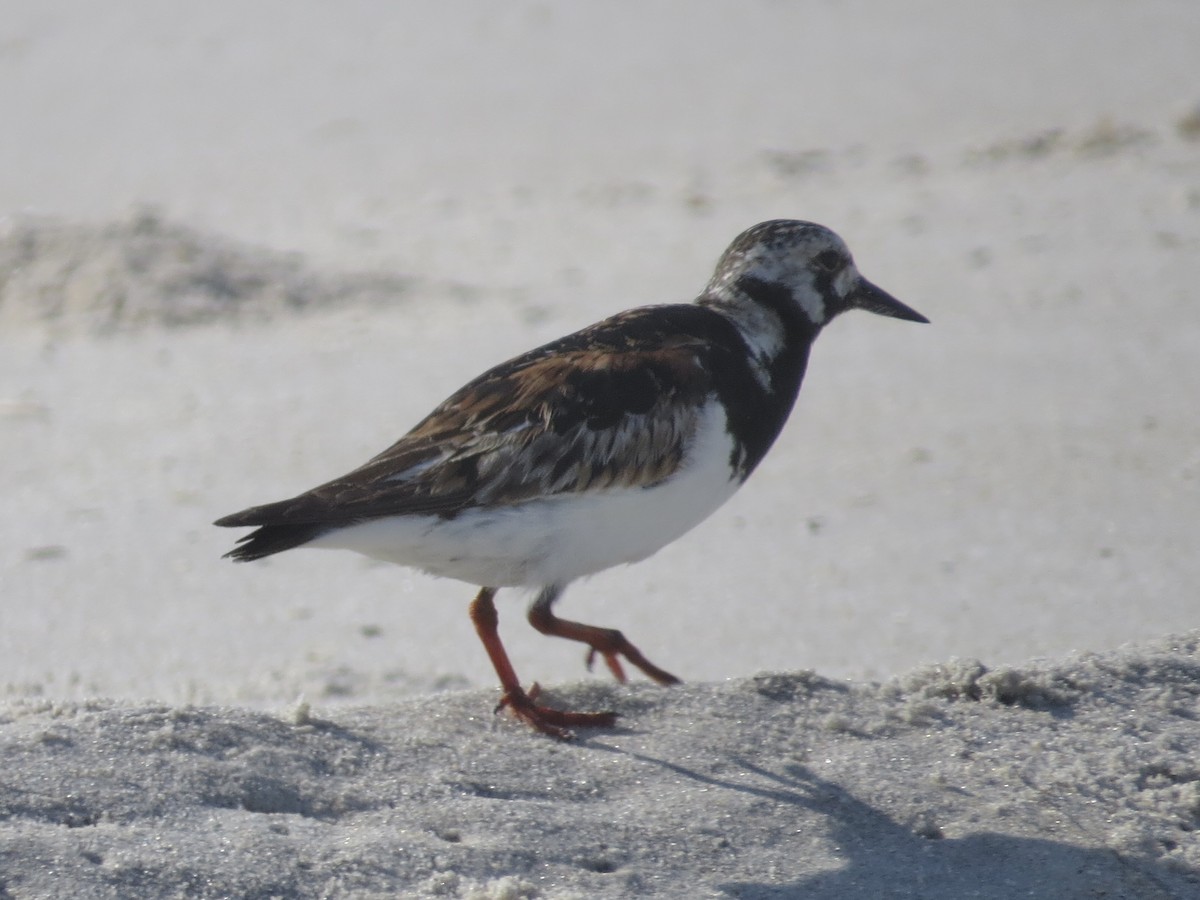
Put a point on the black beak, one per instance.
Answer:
(877, 300)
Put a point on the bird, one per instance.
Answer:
(591, 451)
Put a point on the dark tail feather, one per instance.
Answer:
(270, 539)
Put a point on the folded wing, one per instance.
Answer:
(612, 406)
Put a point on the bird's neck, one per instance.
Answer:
(768, 314)
(778, 335)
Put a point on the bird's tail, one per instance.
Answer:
(269, 537)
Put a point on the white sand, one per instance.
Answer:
(1076, 780)
(355, 210)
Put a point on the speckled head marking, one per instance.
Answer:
(791, 267)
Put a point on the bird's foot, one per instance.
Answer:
(609, 643)
(554, 722)
(613, 647)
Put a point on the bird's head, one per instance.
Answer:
(800, 271)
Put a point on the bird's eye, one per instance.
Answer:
(829, 260)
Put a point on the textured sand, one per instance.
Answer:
(1072, 780)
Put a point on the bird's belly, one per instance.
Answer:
(556, 539)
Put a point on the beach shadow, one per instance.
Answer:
(886, 858)
(883, 858)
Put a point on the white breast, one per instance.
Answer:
(561, 538)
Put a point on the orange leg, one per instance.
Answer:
(608, 642)
(551, 721)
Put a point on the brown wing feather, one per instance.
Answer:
(611, 406)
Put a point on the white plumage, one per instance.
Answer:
(557, 539)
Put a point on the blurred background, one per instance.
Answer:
(444, 185)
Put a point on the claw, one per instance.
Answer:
(611, 659)
(608, 642)
(554, 722)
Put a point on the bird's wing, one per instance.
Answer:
(614, 405)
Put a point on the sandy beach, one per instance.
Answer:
(943, 644)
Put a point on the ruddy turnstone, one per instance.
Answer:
(596, 449)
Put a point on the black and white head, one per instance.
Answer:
(798, 274)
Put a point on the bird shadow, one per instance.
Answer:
(881, 857)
